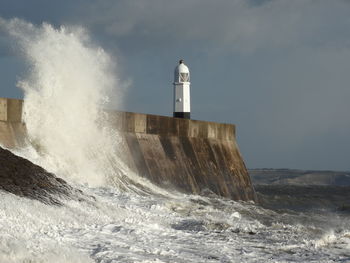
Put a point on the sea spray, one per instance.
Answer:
(66, 87)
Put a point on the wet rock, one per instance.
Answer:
(21, 177)
(189, 225)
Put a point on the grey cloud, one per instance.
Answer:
(236, 25)
(304, 114)
(5, 47)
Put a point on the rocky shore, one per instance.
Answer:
(23, 178)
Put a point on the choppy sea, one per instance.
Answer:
(291, 224)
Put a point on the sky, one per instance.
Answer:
(277, 69)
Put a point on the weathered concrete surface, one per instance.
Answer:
(10, 110)
(23, 178)
(12, 134)
(12, 130)
(191, 156)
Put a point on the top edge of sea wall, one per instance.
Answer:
(11, 111)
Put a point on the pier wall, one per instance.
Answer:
(192, 156)
(12, 129)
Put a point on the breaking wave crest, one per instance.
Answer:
(68, 82)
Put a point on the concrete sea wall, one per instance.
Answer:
(191, 156)
(12, 129)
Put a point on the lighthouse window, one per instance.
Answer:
(184, 77)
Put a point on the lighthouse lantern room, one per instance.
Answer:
(182, 107)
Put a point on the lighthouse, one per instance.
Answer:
(182, 107)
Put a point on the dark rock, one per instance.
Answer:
(189, 225)
(23, 178)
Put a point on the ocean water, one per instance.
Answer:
(116, 226)
(124, 218)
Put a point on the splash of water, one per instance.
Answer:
(65, 89)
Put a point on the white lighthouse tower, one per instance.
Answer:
(182, 107)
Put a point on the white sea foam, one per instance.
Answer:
(125, 227)
(66, 87)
